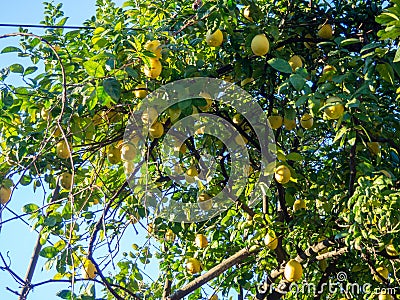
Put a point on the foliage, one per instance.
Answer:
(351, 190)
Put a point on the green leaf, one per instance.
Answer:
(25, 180)
(30, 70)
(351, 41)
(65, 294)
(17, 68)
(294, 156)
(397, 55)
(280, 65)
(30, 208)
(49, 252)
(297, 81)
(94, 68)
(10, 49)
(386, 72)
(112, 88)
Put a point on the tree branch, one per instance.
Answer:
(212, 273)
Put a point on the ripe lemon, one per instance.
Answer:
(282, 174)
(153, 70)
(214, 297)
(306, 121)
(128, 152)
(289, 124)
(208, 99)
(174, 113)
(62, 150)
(149, 115)
(204, 201)
(154, 47)
(334, 111)
(247, 13)
(45, 114)
(383, 271)
(156, 130)
(325, 31)
(140, 91)
(66, 180)
(88, 270)
(299, 204)
(275, 122)
(114, 155)
(260, 45)
(391, 250)
(373, 147)
(193, 266)
(201, 241)
(293, 271)
(237, 119)
(295, 62)
(5, 194)
(385, 297)
(192, 171)
(270, 240)
(214, 39)
(169, 236)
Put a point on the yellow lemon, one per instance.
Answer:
(88, 269)
(208, 99)
(293, 271)
(270, 240)
(335, 110)
(128, 152)
(62, 150)
(156, 130)
(214, 39)
(66, 180)
(299, 204)
(204, 201)
(306, 121)
(154, 47)
(275, 122)
(169, 236)
(174, 113)
(282, 174)
(260, 45)
(325, 31)
(214, 297)
(385, 297)
(140, 91)
(153, 70)
(45, 114)
(5, 194)
(193, 266)
(295, 62)
(114, 155)
(149, 115)
(383, 271)
(201, 241)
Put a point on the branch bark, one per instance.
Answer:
(212, 273)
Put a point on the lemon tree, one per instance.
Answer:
(326, 75)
